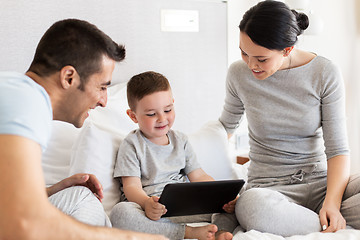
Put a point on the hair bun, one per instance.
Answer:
(301, 19)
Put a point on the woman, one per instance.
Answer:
(298, 178)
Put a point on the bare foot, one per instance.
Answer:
(222, 235)
(202, 233)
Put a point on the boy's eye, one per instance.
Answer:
(150, 114)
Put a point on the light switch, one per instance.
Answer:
(179, 20)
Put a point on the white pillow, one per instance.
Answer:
(56, 158)
(210, 144)
(94, 152)
(113, 117)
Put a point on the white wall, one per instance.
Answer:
(339, 41)
(194, 62)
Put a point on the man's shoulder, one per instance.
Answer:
(25, 108)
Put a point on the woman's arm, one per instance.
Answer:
(337, 179)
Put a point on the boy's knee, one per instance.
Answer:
(120, 215)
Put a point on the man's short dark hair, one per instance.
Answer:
(77, 43)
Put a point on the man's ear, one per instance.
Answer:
(132, 115)
(68, 74)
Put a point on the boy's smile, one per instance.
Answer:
(155, 115)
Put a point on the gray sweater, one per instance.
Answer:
(296, 117)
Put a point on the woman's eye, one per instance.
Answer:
(263, 60)
(243, 53)
(167, 111)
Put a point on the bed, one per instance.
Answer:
(93, 149)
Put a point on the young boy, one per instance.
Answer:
(153, 156)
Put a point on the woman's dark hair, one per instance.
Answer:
(271, 24)
(77, 43)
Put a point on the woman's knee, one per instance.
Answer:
(253, 204)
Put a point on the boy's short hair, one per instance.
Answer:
(145, 84)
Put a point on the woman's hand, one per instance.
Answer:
(81, 179)
(153, 209)
(331, 219)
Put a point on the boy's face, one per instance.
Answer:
(155, 115)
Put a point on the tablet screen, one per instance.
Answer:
(191, 198)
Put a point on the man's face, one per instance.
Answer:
(95, 94)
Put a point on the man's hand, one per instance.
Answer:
(153, 209)
(80, 179)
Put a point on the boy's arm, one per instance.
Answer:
(199, 175)
(133, 190)
(134, 193)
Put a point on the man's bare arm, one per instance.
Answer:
(25, 210)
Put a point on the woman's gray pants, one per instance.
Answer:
(291, 207)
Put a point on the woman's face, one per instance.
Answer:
(261, 61)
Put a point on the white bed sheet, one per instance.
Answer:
(346, 234)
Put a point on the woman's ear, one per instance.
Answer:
(287, 51)
(132, 115)
(68, 74)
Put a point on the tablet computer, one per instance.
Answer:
(192, 198)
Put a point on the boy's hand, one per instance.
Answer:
(153, 209)
(230, 206)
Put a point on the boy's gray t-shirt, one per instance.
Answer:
(155, 165)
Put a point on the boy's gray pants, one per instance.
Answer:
(80, 203)
(130, 216)
(291, 205)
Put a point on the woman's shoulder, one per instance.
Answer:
(304, 58)
(238, 68)
(238, 64)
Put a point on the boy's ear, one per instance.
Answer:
(132, 115)
(67, 76)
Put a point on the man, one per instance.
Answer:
(69, 75)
